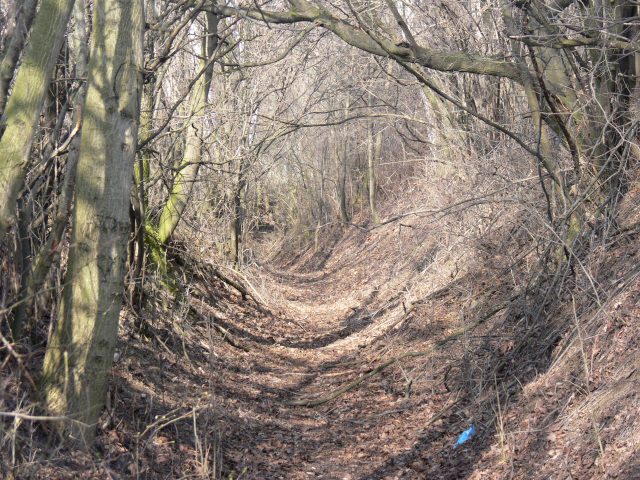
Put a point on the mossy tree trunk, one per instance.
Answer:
(23, 19)
(192, 158)
(80, 355)
(142, 167)
(22, 113)
(50, 252)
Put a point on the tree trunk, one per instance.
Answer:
(25, 103)
(80, 355)
(235, 222)
(186, 177)
(342, 182)
(49, 254)
(24, 18)
(141, 169)
(374, 146)
(235, 226)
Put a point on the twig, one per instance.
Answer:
(228, 281)
(33, 418)
(259, 301)
(226, 336)
(18, 359)
(158, 425)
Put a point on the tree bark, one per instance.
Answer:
(24, 19)
(235, 222)
(191, 161)
(26, 101)
(444, 61)
(49, 254)
(342, 180)
(374, 146)
(80, 355)
(374, 152)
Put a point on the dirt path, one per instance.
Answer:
(322, 341)
(185, 401)
(315, 352)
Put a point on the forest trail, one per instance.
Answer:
(343, 313)
(332, 318)
(335, 315)
(323, 343)
(327, 321)
(339, 313)
(319, 239)
(186, 403)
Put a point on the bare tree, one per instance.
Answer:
(22, 113)
(79, 357)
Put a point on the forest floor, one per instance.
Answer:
(557, 400)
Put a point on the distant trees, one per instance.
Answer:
(575, 63)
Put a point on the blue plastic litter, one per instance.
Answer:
(466, 435)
